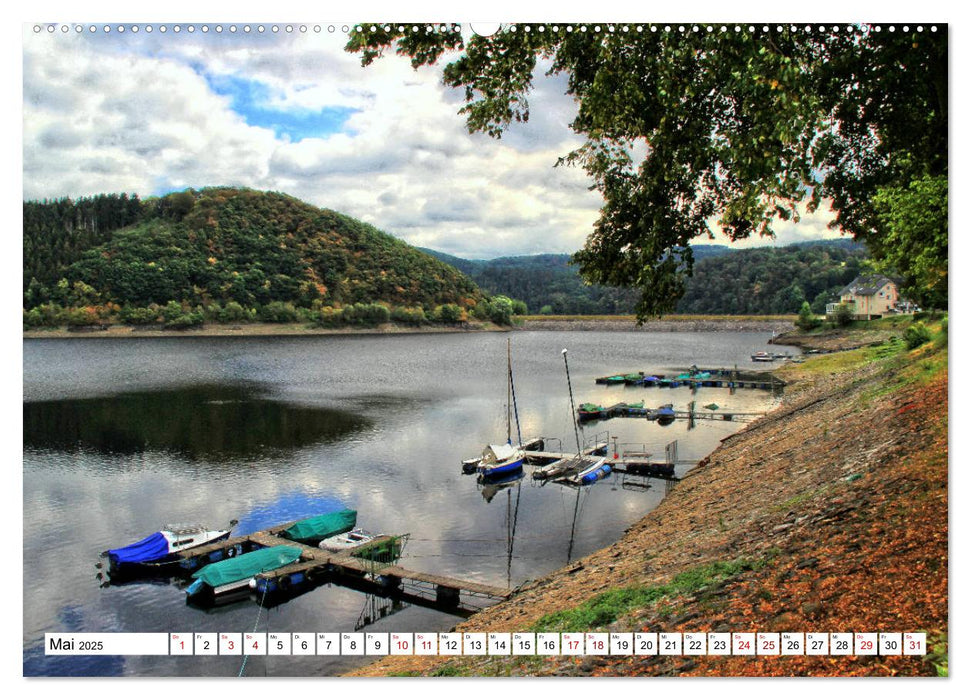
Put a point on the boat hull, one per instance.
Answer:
(501, 469)
(163, 566)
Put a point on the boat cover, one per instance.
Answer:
(502, 452)
(153, 547)
(247, 565)
(313, 530)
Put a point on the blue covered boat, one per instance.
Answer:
(160, 549)
(664, 415)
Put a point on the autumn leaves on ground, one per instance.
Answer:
(830, 514)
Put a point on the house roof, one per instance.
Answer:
(866, 285)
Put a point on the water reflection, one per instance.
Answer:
(209, 422)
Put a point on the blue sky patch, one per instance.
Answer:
(250, 99)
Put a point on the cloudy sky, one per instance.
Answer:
(153, 112)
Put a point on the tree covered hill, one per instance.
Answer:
(223, 245)
(726, 281)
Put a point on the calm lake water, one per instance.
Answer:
(122, 436)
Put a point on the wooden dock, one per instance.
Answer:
(719, 378)
(317, 567)
(624, 410)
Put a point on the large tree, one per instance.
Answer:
(686, 128)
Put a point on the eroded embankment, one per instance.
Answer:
(684, 324)
(829, 514)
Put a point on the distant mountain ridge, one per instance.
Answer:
(548, 283)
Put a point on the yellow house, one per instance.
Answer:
(868, 296)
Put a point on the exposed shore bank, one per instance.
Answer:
(243, 330)
(772, 325)
(829, 514)
(670, 325)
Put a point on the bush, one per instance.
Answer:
(139, 315)
(44, 316)
(329, 317)
(84, 316)
(916, 335)
(409, 316)
(807, 320)
(501, 310)
(842, 316)
(278, 312)
(233, 312)
(449, 313)
(366, 314)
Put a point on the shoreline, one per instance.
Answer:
(706, 324)
(824, 515)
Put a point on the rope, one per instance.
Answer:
(259, 611)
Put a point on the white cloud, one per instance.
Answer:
(138, 114)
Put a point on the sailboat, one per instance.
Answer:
(502, 460)
(586, 469)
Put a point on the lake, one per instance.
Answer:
(122, 436)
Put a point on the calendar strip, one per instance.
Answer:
(765, 644)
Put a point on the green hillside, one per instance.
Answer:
(764, 280)
(227, 254)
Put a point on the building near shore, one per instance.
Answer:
(869, 296)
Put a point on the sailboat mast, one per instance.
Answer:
(573, 408)
(508, 391)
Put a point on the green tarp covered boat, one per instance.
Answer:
(231, 574)
(312, 530)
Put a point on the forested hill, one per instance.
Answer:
(764, 280)
(220, 246)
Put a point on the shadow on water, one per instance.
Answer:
(210, 423)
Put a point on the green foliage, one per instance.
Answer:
(278, 312)
(916, 335)
(57, 232)
(725, 281)
(807, 319)
(735, 128)
(233, 312)
(500, 310)
(44, 316)
(329, 317)
(449, 313)
(86, 316)
(409, 316)
(915, 220)
(842, 316)
(606, 608)
(139, 315)
(366, 314)
(225, 246)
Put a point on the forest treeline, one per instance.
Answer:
(230, 255)
(239, 255)
(764, 280)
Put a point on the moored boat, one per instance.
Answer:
(159, 551)
(595, 471)
(365, 545)
(762, 356)
(313, 530)
(231, 577)
(590, 411)
(503, 460)
(500, 460)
